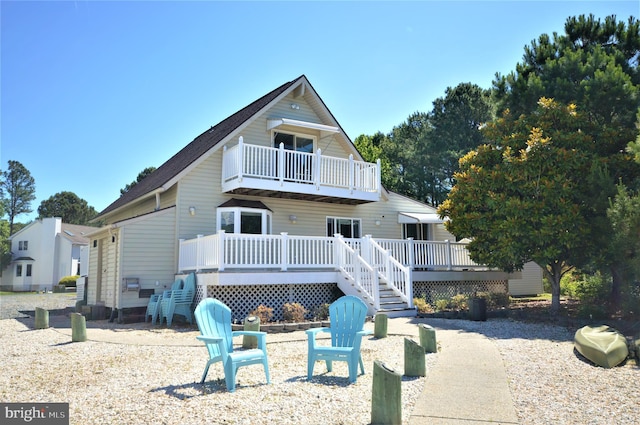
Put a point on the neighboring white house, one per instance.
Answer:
(45, 251)
(274, 204)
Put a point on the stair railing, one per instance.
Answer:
(397, 276)
(356, 269)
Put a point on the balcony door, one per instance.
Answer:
(298, 155)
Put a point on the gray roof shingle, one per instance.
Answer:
(194, 150)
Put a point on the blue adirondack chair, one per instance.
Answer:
(347, 315)
(214, 322)
(179, 301)
(155, 302)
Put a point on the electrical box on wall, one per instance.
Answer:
(130, 284)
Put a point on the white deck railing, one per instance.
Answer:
(397, 275)
(247, 251)
(282, 165)
(355, 268)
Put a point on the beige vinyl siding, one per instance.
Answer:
(201, 188)
(257, 133)
(146, 206)
(92, 275)
(149, 254)
(111, 266)
(530, 283)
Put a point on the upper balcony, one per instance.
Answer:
(278, 172)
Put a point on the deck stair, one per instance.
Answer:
(390, 303)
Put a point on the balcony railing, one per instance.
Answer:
(261, 167)
(248, 251)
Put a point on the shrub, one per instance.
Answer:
(293, 312)
(495, 300)
(442, 304)
(460, 302)
(422, 305)
(321, 312)
(68, 281)
(263, 312)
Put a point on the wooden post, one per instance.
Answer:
(428, 338)
(380, 326)
(78, 328)
(42, 318)
(414, 361)
(386, 397)
(251, 323)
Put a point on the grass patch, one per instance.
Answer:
(539, 297)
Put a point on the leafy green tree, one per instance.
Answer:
(18, 189)
(144, 173)
(371, 149)
(624, 213)
(523, 197)
(68, 206)
(455, 123)
(593, 65)
(419, 156)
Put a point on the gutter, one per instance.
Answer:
(155, 193)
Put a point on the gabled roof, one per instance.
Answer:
(197, 148)
(76, 233)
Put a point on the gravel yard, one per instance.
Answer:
(145, 375)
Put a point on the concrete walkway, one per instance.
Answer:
(467, 385)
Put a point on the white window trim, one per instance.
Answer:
(266, 223)
(295, 134)
(352, 219)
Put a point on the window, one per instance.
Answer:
(244, 220)
(28, 270)
(296, 166)
(23, 245)
(417, 231)
(347, 227)
(294, 142)
(19, 270)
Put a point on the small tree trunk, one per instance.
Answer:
(616, 283)
(554, 274)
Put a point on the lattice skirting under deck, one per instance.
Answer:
(433, 291)
(243, 299)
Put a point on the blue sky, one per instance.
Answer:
(94, 92)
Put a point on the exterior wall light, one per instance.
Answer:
(293, 219)
(192, 211)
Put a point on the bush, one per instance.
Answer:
(495, 300)
(422, 305)
(321, 312)
(293, 312)
(263, 312)
(69, 281)
(442, 304)
(460, 302)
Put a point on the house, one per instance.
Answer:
(274, 204)
(45, 251)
